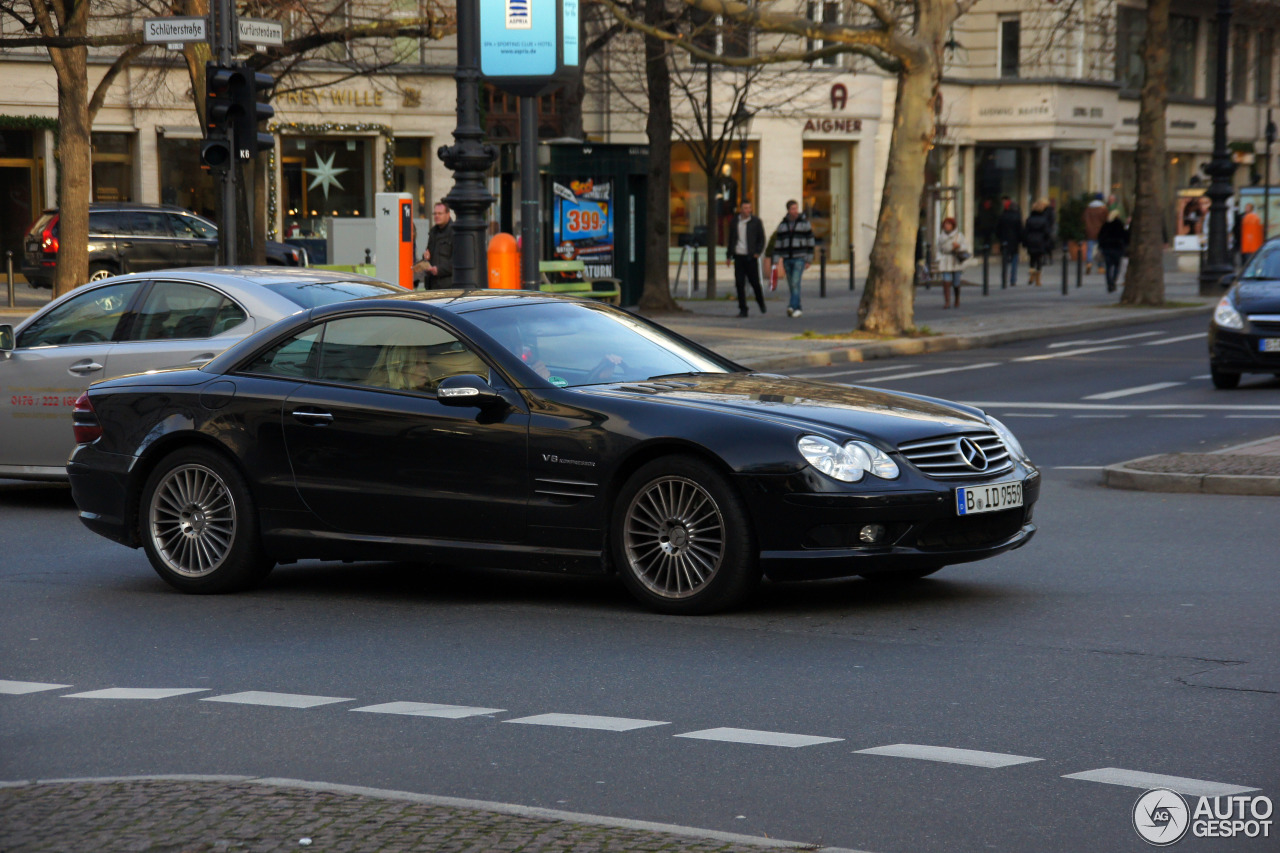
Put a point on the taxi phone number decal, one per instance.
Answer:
(27, 400)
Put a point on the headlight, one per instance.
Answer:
(1007, 436)
(848, 463)
(1226, 315)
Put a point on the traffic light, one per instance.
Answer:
(252, 113)
(222, 104)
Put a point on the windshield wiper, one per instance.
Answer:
(674, 375)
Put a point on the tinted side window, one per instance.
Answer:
(398, 353)
(293, 357)
(88, 318)
(105, 223)
(150, 223)
(191, 228)
(176, 309)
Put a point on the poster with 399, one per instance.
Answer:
(582, 225)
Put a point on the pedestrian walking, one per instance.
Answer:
(746, 244)
(1009, 233)
(1095, 214)
(1250, 234)
(436, 266)
(793, 248)
(985, 226)
(1113, 242)
(1038, 238)
(952, 251)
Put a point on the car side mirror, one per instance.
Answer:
(1227, 280)
(466, 390)
(6, 338)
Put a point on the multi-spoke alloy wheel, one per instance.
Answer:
(192, 520)
(674, 537)
(198, 524)
(681, 539)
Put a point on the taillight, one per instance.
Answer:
(49, 240)
(85, 418)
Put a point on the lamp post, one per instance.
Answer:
(1218, 264)
(469, 157)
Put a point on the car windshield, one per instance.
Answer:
(311, 294)
(1265, 263)
(572, 343)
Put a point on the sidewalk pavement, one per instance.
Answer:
(199, 814)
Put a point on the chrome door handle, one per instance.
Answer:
(312, 418)
(83, 368)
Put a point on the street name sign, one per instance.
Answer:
(174, 31)
(529, 47)
(260, 32)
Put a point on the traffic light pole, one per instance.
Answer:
(223, 40)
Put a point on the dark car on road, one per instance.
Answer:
(127, 238)
(1244, 335)
(531, 431)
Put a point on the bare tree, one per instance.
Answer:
(1144, 281)
(907, 39)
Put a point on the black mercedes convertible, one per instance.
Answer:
(517, 429)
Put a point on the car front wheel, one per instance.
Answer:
(199, 527)
(681, 539)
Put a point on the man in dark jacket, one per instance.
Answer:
(746, 244)
(439, 253)
(1113, 242)
(793, 248)
(1009, 233)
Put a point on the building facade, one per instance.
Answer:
(1037, 102)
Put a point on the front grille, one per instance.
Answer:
(969, 531)
(1266, 324)
(948, 457)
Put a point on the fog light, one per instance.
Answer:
(871, 533)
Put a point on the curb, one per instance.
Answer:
(951, 343)
(1123, 477)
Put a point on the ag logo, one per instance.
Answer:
(1161, 817)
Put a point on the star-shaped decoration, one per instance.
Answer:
(325, 174)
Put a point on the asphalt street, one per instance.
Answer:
(1021, 703)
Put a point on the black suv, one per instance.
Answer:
(136, 238)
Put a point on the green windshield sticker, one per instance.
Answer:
(557, 381)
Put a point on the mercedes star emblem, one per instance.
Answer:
(973, 455)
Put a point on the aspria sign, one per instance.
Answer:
(529, 47)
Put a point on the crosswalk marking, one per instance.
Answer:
(1175, 340)
(277, 700)
(19, 688)
(428, 709)
(949, 755)
(137, 693)
(1137, 779)
(937, 372)
(588, 721)
(1129, 392)
(1104, 340)
(759, 738)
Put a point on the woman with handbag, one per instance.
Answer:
(953, 251)
(1037, 236)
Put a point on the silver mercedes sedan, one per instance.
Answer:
(131, 324)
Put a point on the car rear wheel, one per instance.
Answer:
(97, 272)
(1222, 379)
(681, 538)
(199, 526)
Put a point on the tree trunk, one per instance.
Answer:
(888, 300)
(656, 295)
(1144, 282)
(75, 158)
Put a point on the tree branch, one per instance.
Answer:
(121, 63)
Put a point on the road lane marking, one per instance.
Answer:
(1137, 779)
(1027, 415)
(20, 688)
(1104, 340)
(1125, 407)
(276, 700)
(759, 738)
(1268, 417)
(137, 693)
(1078, 467)
(1129, 392)
(1120, 417)
(588, 721)
(1066, 354)
(948, 755)
(1175, 340)
(429, 709)
(1175, 416)
(937, 372)
(883, 369)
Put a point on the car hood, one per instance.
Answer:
(1258, 297)
(869, 412)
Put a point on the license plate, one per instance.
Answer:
(1269, 345)
(971, 500)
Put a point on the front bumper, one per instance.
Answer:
(1241, 351)
(807, 535)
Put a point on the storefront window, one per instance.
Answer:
(18, 188)
(689, 193)
(412, 172)
(1068, 176)
(182, 181)
(828, 191)
(113, 167)
(324, 177)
